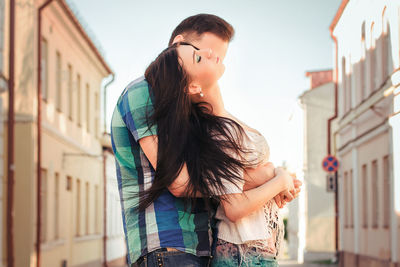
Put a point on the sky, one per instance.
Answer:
(275, 44)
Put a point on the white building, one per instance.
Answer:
(318, 107)
(116, 246)
(366, 140)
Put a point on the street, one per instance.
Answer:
(287, 263)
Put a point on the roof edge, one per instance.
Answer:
(338, 14)
(85, 36)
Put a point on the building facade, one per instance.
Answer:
(115, 245)
(366, 139)
(318, 106)
(71, 170)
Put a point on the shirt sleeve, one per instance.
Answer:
(230, 187)
(134, 105)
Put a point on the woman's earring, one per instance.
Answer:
(201, 93)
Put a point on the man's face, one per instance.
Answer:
(211, 41)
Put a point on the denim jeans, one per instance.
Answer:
(230, 255)
(164, 258)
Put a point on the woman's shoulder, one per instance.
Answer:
(245, 127)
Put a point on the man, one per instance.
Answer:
(166, 233)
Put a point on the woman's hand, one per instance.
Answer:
(285, 178)
(280, 199)
(288, 193)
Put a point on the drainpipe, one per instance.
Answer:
(105, 172)
(105, 101)
(329, 146)
(39, 130)
(10, 142)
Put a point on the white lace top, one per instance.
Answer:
(262, 229)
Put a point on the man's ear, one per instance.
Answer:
(194, 89)
(178, 38)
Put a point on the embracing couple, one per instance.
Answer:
(195, 184)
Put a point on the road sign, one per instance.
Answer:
(330, 163)
(331, 182)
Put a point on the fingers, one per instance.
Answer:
(287, 196)
(278, 200)
(295, 192)
(297, 183)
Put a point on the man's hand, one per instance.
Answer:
(282, 198)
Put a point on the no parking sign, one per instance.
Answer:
(330, 164)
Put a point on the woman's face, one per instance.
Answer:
(204, 66)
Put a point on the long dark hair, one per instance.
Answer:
(188, 132)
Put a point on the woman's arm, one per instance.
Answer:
(255, 177)
(237, 206)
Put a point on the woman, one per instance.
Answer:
(216, 149)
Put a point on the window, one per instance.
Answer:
(44, 69)
(70, 92)
(386, 192)
(79, 100)
(363, 69)
(351, 209)
(87, 210)
(96, 209)
(58, 81)
(346, 201)
(96, 122)
(87, 108)
(387, 66)
(362, 79)
(348, 87)
(43, 206)
(385, 40)
(56, 205)
(69, 183)
(344, 85)
(374, 197)
(372, 62)
(364, 194)
(78, 208)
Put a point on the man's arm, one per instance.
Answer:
(149, 145)
(253, 177)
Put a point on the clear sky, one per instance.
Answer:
(275, 43)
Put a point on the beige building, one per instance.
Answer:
(72, 187)
(366, 139)
(318, 106)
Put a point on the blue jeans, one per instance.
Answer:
(230, 255)
(163, 258)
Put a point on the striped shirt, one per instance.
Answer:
(165, 223)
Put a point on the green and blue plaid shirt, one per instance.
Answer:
(165, 223)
